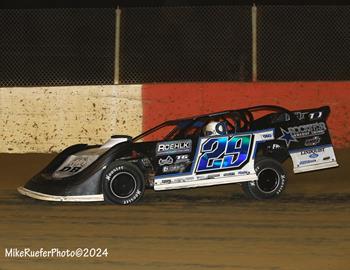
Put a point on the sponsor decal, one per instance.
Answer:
(303, 162)
(202, 177)
(166, 161)
(178, 180)
(314, 155)
(298, 132)
(315, 115)
(182, 158)
(308, 130)
(213, 176)
(224, 152)
(313, 141)
(300, 115)
(244, 172)
(72, 166)
(166, 181)
(133, 198)
(266, 136)
(312, 151)
(146, 162)
(174, 168)
(275, 146)
(311, 116)
(287, 137)
(173, 147)
(116, 169)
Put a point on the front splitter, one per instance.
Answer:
(48, 197)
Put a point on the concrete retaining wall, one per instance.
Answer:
(168, 101)
(48, 119)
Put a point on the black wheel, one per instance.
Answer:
(122, 183)
(271, 180)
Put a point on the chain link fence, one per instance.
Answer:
(303, 43)
(56, 46)
(179, 44)
(173, 43)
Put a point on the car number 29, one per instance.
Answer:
(224, 152)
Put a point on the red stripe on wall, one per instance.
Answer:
(170, 101)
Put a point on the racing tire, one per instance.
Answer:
(272, 180)
(122, 183)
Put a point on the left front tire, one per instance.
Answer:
(122, 183)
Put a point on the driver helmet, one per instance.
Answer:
(215, 128)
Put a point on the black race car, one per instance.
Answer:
(246, 146)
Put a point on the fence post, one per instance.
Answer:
(254, 44)
(117, 45)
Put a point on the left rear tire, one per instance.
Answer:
(272, 180)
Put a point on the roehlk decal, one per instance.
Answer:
(174, 147)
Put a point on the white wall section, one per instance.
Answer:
(48, 119)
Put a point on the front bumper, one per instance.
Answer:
(75, 189)
(48, 197)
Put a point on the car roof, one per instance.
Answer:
(248, 110)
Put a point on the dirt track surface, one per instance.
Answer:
(210, 228)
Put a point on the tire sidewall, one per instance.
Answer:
(112, 172)
(260, 166)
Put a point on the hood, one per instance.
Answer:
(79, 161)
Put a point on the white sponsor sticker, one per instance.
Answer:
(73, 165)
(173, 147)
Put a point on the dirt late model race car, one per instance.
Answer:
(246, 146)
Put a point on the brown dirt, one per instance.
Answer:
(209, 228)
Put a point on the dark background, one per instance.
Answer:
(73, 42)
(56, 46)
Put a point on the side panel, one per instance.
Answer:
(308, 140)
(217, 160)
(313, 158)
